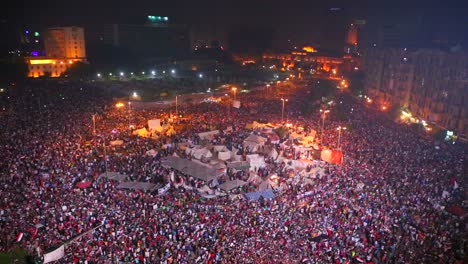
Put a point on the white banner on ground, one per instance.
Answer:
(236, 104)
(164, 189)
(54, 255)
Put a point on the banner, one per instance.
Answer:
(236, 104)
(154, 124)
(164, 189)
(54, 255)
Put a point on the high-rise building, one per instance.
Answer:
(64, 46)
(353, 35)
(431, 84)
(65, 42)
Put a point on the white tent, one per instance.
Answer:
(253, 142)
(224, 155)
(208, 135)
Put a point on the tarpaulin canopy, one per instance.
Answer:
(227, 186)
(191, 168)
(266, 194)
(113, 176)
(145, 186)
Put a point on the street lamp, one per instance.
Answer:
(99, 75)
(121, 74)
(153, 73)
(339, 136)
(282, 109)
(94, 128)
(324, 114)
(234, 90)
(176, 105)
(105, 156)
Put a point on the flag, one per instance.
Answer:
(19, 237)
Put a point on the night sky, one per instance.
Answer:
(311, 21)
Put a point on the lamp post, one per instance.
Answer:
(234, 90)
(282, 109)
(94, 125)
(339, 136)
(129, 114)
(324, 114)
(105, 156)
(176, 105)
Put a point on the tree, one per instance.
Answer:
(79, 70)
(10, 72)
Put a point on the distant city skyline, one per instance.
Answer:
(314, 22)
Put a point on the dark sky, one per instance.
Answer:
(300, 20)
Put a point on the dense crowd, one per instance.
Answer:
(398, 215)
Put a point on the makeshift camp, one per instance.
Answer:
(208, 135)
(154, 124)
(115, 176)
(144, 186)
(230, 185)
(116, 142)
(254, 196)
(191, 168)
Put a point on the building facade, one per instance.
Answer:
(63, 46)
(431, 84)
(65, 42)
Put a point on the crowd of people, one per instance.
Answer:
(386, 203)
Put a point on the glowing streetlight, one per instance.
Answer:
(153, 73)
(324, 114)
(200, 75)
(99, 75)
(119, 105)
(134, 95)
(173, 71)
(122, 74)
(110, 73)
(131, 73)
(176, 105)
(143, 72)
(339, 135)
(282, 109)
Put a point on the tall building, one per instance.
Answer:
(126, 44)
(353, 37)
(64, 46)
(208, 36)
(431, 84)
(65, 42)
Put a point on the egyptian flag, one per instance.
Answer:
(19, 237)
(336, 156)
(34, 232)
